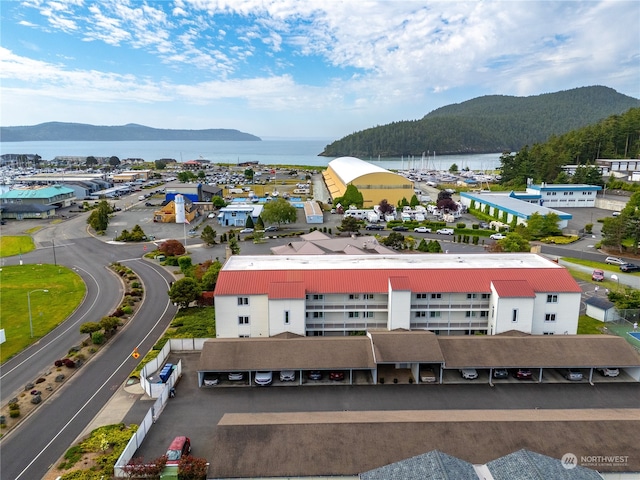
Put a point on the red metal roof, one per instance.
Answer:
(256, 282)
(284, 290)
(513, 288)
(400, 283)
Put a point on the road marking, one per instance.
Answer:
(64, 332)
(104, 384)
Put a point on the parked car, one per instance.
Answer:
(469, 373)
(236, 376)
(616, 214)
(337, 376)
(271, 228)
(374, 226)
(445, 231)
(264, 378)
(497, 236)
(484, 225)
(315, 375)
(500, 373)
(427, 375)
(400, 228)
(179, 447)
(608, 372)
(573, 374)
(287, 376)
(210, 380)
(192, 233)
(422, 230)
(597, 276)
(148, 204)
(614, 261)
(523, 374)
(211, 215)
(246, 230)
(629, 267)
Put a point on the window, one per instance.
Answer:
(318, 314)
(243, 336)
(514, 315)
(470, 314)
(354, 296)
(471, 295)
(318, 297)
(484, 313)
(286, 317)
(486, 296)
(434, 314)
(420, 314)
(368, 296)
(421, 295)
(550, 317)
(552, 298)
(547, 333)
(243, 320)
(243, 300)
(436, 295)
(354, 314)
(368, 314)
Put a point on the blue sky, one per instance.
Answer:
(300, 68)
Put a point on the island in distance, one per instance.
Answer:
(78, 132)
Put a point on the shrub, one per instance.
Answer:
(135, 284)
(69, 363)
(58, 363)
(117, 313)
(14, 413)
(475, 226)
(127, 310)
(40, 380)
(97, 338)
(461, 225)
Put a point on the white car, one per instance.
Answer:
(211, 380)
(422, 230)
(211, 215)
(445, 231)
(264, 378)
(287, 376)
(469, 373)
(236, 376)
(246, 230)
(608, 372)
(614, 261)
(497, 236)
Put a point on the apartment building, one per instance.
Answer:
(449, 294)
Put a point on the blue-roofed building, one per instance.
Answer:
(509, 206)
(565, 195)
(35, 202)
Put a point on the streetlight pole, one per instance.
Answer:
(29, 305)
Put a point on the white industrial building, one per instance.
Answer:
(263, 296)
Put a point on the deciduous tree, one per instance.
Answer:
(184, 291)
(279, 211)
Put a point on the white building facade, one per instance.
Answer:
(263, 296)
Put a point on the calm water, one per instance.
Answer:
(266, 152)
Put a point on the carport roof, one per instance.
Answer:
(251, 354)
(352, 442)
(538, 351)
(403, 347)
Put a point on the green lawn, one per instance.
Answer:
(48, 309)
(15, 245)
(589, 326)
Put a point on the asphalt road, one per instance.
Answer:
(28, 451)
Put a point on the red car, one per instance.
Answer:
(337, 376)
(598, 275)
(523, 374)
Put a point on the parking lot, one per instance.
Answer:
(196, 411)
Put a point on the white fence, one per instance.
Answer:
(155, 390)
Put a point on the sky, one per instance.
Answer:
(300, 68)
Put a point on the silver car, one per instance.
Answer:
(287, 376)
(264, 378)
(573, 375)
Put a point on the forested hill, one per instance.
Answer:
(72, 132)
(489, 124)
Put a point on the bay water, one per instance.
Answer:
(265, 152)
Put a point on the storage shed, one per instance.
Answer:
(313, 212)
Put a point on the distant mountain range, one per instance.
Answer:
(77, 132)
(489, 124)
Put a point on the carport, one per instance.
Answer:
(300, 354)
(540, 353)
(399, 350)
